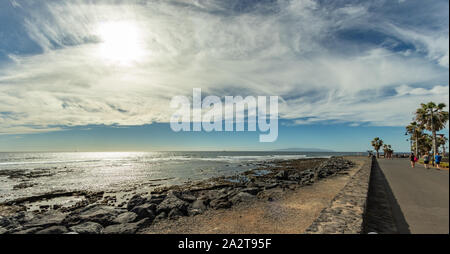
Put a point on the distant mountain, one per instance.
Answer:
(304, 150)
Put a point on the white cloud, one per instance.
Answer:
(435, 43)
(15, 4)
(281, 53)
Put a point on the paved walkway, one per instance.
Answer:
(421, 194)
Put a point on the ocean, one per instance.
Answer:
(24, 174)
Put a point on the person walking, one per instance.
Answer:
(426, 160)
(413, 159)
(437, 160)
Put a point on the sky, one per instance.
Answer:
(99, 75)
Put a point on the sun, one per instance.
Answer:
(121, 42)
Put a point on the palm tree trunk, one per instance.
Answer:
(435, 149)
(417, 146)
(411, 144)
(433, 132)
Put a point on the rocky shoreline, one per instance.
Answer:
(97, 213)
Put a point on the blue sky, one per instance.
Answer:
(99, 75)
(159, 137)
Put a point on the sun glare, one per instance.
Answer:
(121, 42)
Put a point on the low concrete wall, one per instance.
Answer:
(345, 215)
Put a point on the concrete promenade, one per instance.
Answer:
(421, 194)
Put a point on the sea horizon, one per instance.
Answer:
(149, 151)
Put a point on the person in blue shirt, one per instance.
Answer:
(437, 159)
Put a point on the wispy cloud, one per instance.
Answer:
(350, 62)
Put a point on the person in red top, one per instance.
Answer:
(413, 159)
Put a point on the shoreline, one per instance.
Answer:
(100, 213)
(24, 176)
(283, 211)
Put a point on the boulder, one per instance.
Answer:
(242, 197)
(126, 228)
(220, 194)
(3, 230)
(87, 228)
(175, 213)
(307, 175)
(53, 230)
(294, 177)
(292, 186)
(28, 231)
(46, 219)
(11, 223)
(197, 207)
(307, 181)
(188, 198)
(171, 202)
(135, 201)
(101, 214)
(220, 204)
(161, 216)
(282, 175)
(193, 211)
(199, 204)
(286, 183)
(125, 217)
(4, 222)
(332, 166)
(251, 190)
(156, 198)
(145, 211)
(225, 190)
(268, 186)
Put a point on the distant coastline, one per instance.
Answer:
(304, 150)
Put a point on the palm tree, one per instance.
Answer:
(388, 151)
(425, 143)
(391, 152)
(441, 141)
(386, 148)
(377, 143)
(433, 118)
(415, 130)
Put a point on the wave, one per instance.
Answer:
(45, 162)
(222, 158)
(235, 158)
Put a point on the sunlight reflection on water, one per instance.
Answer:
(27, 174)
